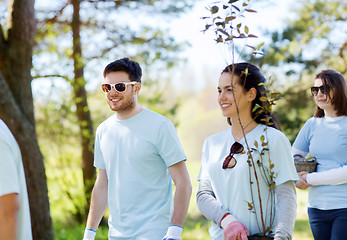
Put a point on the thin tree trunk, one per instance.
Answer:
(83, 113)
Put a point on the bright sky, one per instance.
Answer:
(206, 59)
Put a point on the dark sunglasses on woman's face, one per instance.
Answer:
(230, 161)
(314, 90)
(119, 87)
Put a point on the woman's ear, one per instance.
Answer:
(252, 94)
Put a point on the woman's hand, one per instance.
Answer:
(235, 231)
(302, 183)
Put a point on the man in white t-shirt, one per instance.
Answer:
(14, 204)
(137, 153)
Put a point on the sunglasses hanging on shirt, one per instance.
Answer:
(230, 161)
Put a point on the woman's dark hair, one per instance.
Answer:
(251, 77)
(333, 80)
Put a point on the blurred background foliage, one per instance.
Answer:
(196, 114)
(313, 39)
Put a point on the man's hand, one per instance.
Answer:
(173, 233)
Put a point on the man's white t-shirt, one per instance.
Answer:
(136, 154)
(12, 179)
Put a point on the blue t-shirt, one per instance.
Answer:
(232, 187)
(327, 141)
(136, 154)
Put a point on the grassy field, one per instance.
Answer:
(196, 226)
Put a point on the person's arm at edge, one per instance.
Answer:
(286, 210)
(208, 204)
(98, 203)
(335, 176)
(180, 177)
(9, 207)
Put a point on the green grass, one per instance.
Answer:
(196, 225)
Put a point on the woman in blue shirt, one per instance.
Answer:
(324, 136)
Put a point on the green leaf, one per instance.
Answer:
(250, 205)
(256, 143)
(263, 99)
(207, 26)
(214, 9)
(230, 38)
(275, 94)
(257, 106)
(230, 18)
(262, 138)
(268, 108)
(219, 39)
(222, 31)
(238, 9)
(260, 45)
(246, 29)
(220, 24)
(250, 10)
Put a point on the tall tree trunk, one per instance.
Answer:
(16, 108)
(83, 113)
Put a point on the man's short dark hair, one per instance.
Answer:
(125, 65)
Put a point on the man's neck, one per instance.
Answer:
(122, 115)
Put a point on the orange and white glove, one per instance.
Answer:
(233, 229)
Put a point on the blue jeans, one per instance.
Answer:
(328, 224)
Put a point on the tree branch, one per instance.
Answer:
(57, 14)
(52, 76)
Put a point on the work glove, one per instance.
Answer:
(235, 231)
(173, 233)
(89, 234)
